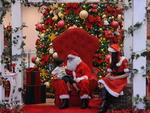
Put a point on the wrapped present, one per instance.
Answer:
(32, 76)
(34, 94)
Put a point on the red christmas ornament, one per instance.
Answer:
(39, 27)
(37, 42)
(94, 10)
(61, 23)
(115, 24)
(94, 6)
(33, 59)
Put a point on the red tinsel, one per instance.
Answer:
(72, 7)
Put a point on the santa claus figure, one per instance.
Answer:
(81, 74)
(116, 79)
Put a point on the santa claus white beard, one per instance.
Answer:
(72, 64)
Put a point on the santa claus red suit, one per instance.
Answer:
(116, 79)
(81, 74)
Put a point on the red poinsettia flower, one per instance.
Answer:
(111, 11)
(49, 21)
(99, 21)
(108, 34)
(98, 58)
(45, 59)
(72, 7)
(91, 19)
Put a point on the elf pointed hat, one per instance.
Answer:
(114, 48)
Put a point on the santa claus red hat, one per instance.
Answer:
(114, 48)
(73, 54)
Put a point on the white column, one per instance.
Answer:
(128, 41)
(139, 44)
(1, 51)
(16, 48)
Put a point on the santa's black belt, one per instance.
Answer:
(118, 73)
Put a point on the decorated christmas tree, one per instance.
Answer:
(103, 20)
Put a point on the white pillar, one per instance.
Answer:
(128, 41)
(139, 45)
(16, 48)
(1, 50)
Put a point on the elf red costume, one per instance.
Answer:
(116, 79)
(81, 74)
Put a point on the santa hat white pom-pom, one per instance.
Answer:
(55, 55)
(51, 51)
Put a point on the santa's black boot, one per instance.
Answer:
(84, 103)
(105, 101)
(64, 104)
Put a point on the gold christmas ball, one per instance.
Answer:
(60, 15)
(55, 18)
(47, 30)
(42, 35)
(55, 6)
(104, 39)
(119, 18)
(100, 29)
(104, 16)
(51, 11)
(47, 84)
(83, 14)
(37, 61)
(62, 4)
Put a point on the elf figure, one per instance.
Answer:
(116, 79)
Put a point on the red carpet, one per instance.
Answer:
(54, 109)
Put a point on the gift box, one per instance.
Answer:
(32, 76)
(34, 94)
